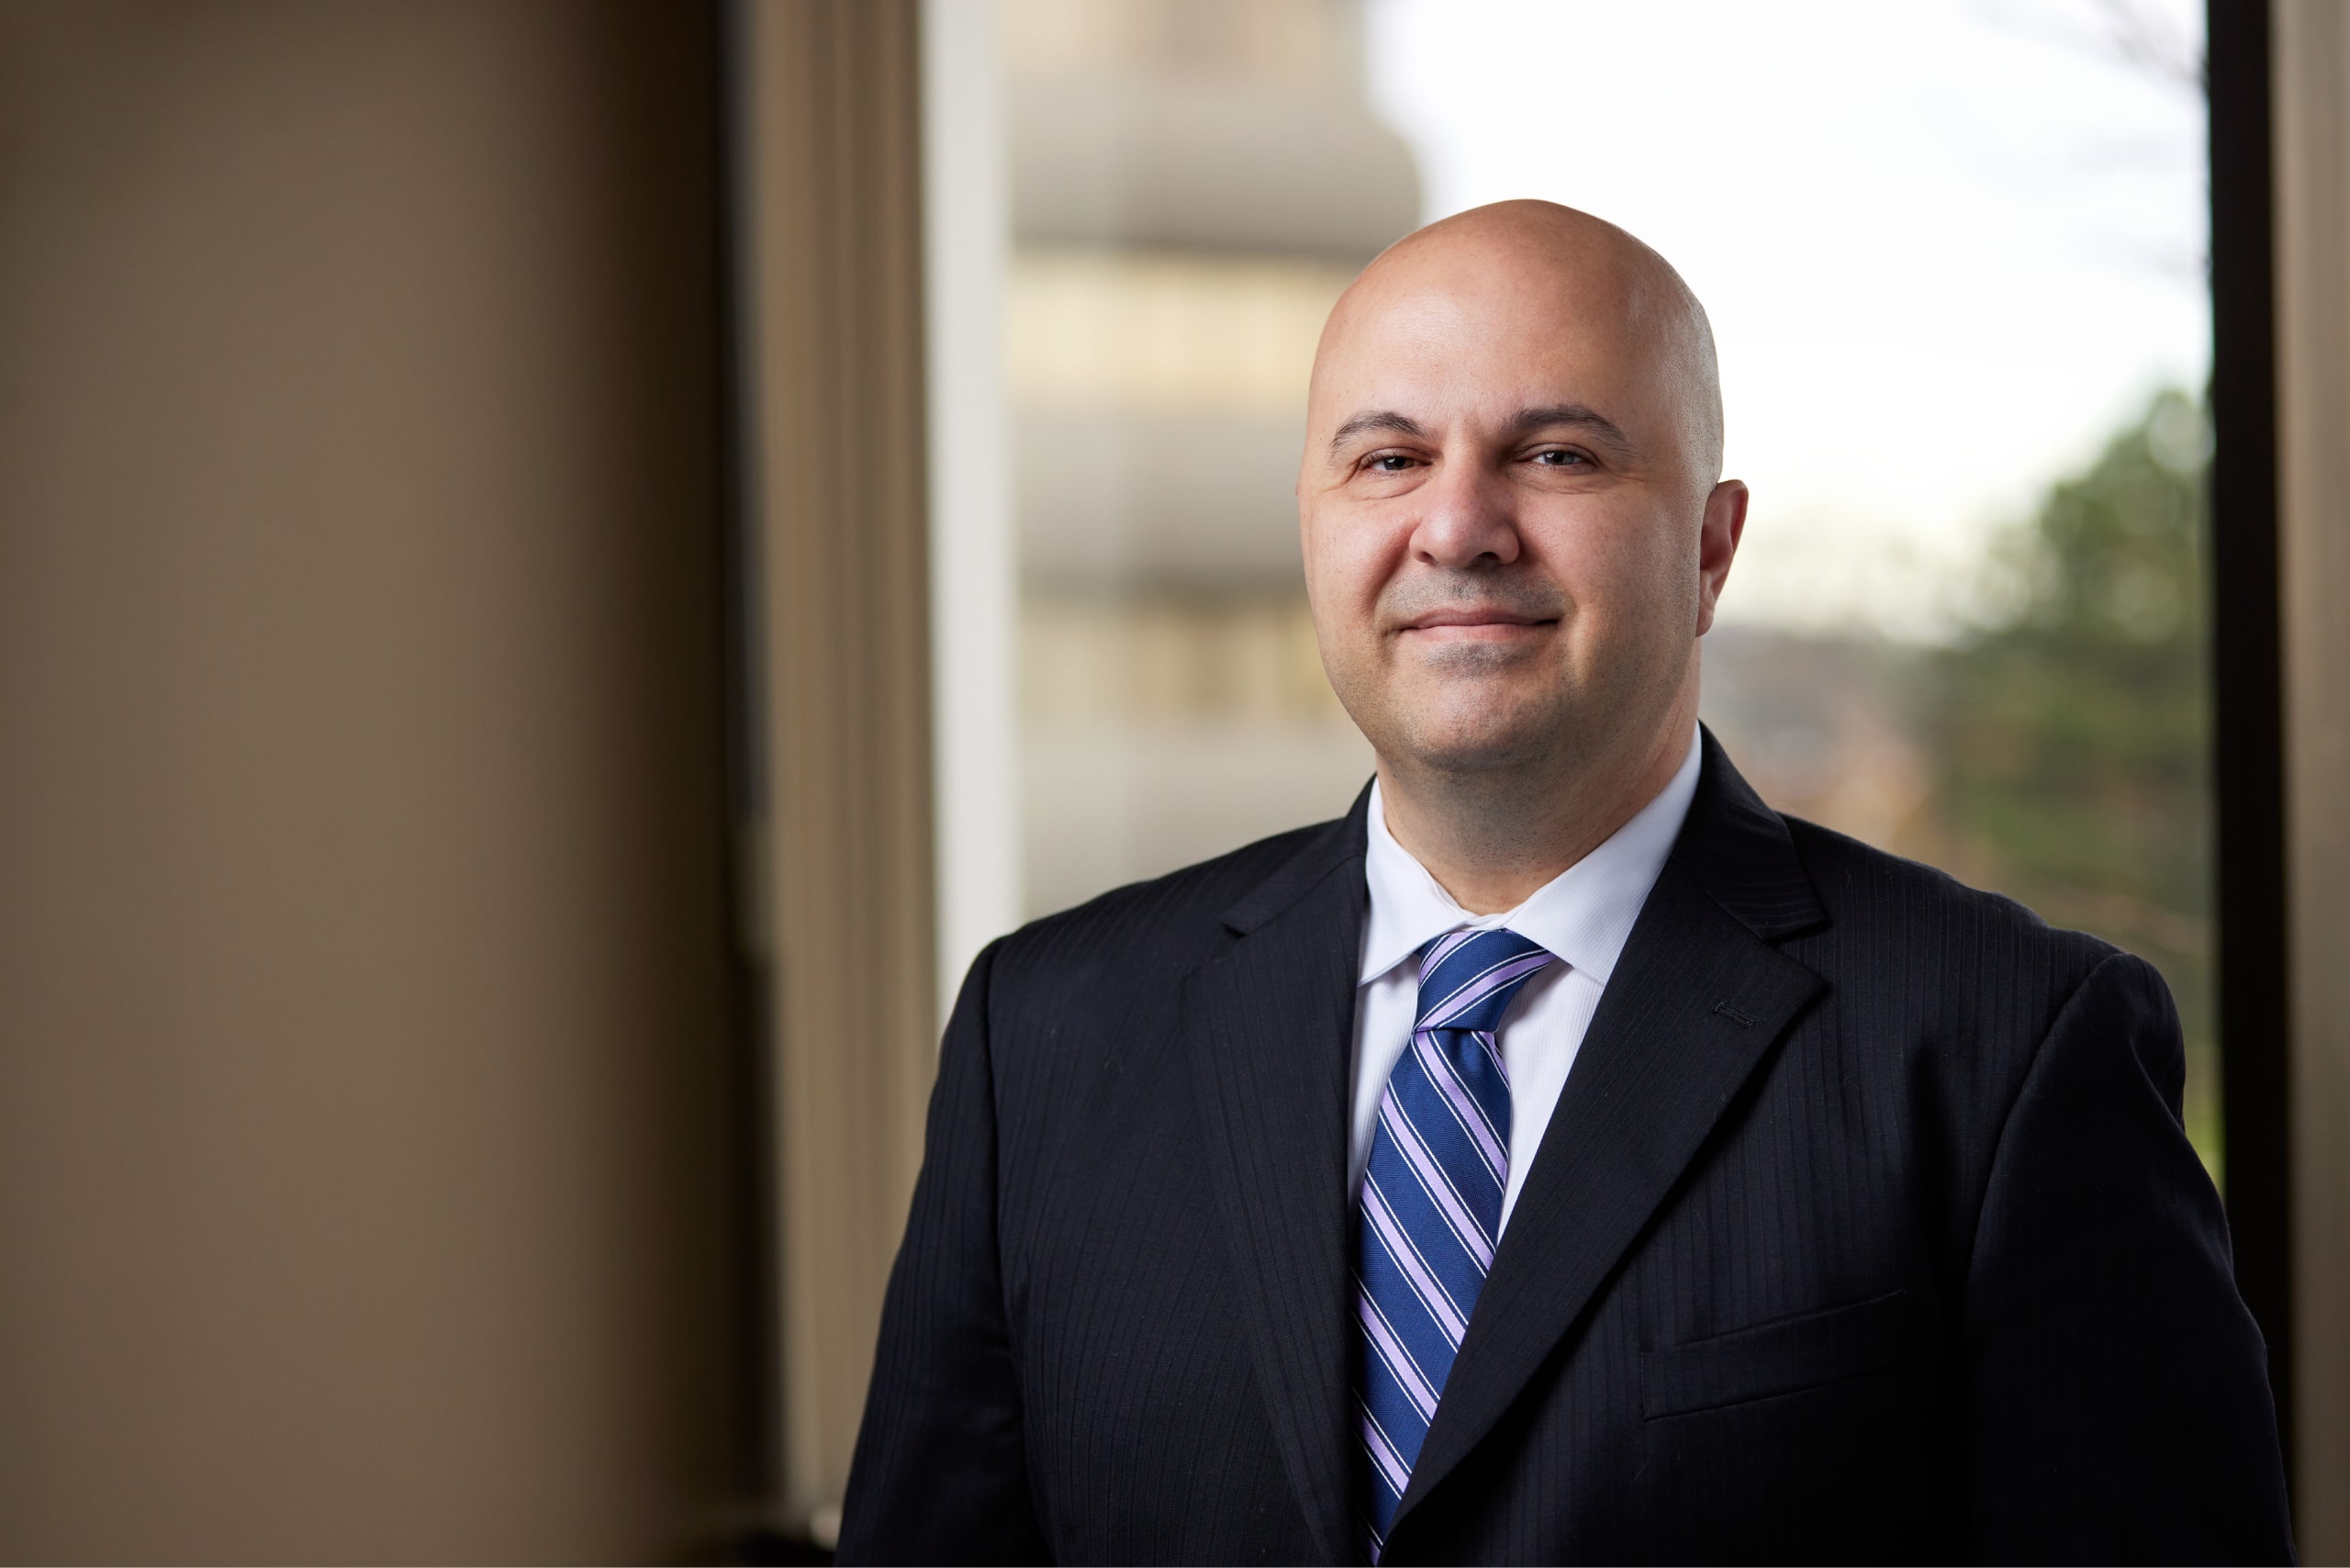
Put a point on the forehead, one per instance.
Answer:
(1461, 339)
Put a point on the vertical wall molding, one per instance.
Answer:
(2310, 76)
(836, 423)
(974, 553)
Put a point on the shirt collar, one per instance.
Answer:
(1584, 914)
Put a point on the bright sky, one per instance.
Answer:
(1948, 246)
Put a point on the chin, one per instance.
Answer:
(1484, 741)
(1461, 721)
(1479, 754)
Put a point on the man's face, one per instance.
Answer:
(1502, 513)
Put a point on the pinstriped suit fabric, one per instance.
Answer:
(1865, 1228)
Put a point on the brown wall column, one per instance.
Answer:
(2311, 86)
(365, 1150)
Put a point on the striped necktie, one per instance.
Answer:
(1432, 1200)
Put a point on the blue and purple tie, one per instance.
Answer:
(1432, 1200)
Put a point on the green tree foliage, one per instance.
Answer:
(2073, 724)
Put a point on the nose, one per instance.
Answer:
(1465, 521)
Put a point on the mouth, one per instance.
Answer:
(1475, 624)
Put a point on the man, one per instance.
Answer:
(1564, 1157)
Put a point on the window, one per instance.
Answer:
(1954, 255)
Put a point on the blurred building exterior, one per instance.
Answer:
(1193, 181)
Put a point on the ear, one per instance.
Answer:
(1718, 537)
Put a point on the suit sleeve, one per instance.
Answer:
(939, 1474)
(2117, 1402)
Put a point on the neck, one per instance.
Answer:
(1491, 838)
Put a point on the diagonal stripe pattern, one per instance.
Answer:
(1432, 1201)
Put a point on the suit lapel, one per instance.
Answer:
(1270, 1029)
(1696, 1000)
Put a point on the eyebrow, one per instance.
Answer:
(1386, 420)
(1525, 422)
(1528, 421)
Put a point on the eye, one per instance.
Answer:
(1387, 463)
(1562, 457)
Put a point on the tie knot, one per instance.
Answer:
(1467, 977)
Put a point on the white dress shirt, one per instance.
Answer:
(1583, 914)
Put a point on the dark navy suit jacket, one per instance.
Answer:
(1865, 1229)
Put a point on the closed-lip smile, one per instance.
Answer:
(1475, 620)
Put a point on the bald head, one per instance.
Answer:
(1513, 514)
(1557, 268)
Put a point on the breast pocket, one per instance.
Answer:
(1783, 1357)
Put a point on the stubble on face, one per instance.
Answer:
(1459, 702)
(1584, 581)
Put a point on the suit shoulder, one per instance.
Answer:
(1896, 898)
(1167, 920)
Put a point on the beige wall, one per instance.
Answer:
(365, 1170)
(2312, 53)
